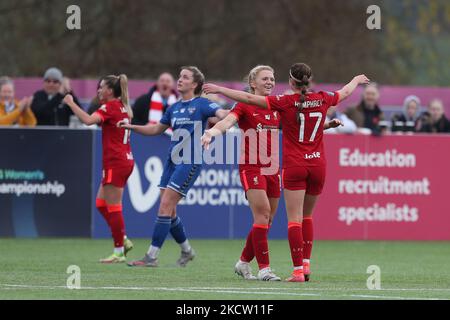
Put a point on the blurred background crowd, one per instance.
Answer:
(225, 39)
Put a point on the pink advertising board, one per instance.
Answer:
(385, 188)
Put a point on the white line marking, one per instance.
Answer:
(225, 290)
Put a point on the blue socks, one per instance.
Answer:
(160, 231)
(177, 230)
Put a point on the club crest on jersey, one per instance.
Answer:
(191, 110)
(255, 181)
(182, 110)
(315, 155)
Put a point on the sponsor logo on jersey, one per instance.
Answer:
(315, 155)
(259, 127)
(255, 114)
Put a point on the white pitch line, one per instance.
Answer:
(207, 290)
(219, 290)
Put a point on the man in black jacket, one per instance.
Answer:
(48, 106)
(151, 106)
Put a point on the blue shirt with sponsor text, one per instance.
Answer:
(188, 120)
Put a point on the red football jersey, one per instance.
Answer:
(116, 141)
(258, 126)
(302, 138)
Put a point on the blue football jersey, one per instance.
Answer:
(188, 120)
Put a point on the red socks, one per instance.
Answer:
(261, 245)
(308, 237)
(117, 224)
(248, 253)
(295, 237)
(102, 208)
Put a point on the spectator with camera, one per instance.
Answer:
(408, 119)
(12, 111)
(434, 120)
(48, 105)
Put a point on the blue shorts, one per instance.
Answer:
(179, 178)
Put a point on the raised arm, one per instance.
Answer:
(348, 89)
(80, 113)
(147, 130)
(236, 95)
(220, 128)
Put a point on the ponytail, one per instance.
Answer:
(301, 74)
(124, 96)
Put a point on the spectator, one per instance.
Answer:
(407, 120)
(434, 121)
(151, 106)
(13, 112)
(95, 102)
(47, 103)
(367, 114)
(348, 127)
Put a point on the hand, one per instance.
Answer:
(30, 101)
(335, 123)
(68, 99)
(65, 86)
(211, 88)
(23, 104)
(124, 124)
(206, 139)
(362, 79)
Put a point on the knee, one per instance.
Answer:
(262, 215)
(166, 208)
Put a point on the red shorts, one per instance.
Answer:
(253, 179)
(117, 176)
(311, 179)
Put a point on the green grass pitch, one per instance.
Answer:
(36, 269)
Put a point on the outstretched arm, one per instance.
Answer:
(332, 124)
(348, 89)
(220, 128)
(147, 130)
(80, 113)
(236, 95)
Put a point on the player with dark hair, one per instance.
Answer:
(118, 160)
(303, 116)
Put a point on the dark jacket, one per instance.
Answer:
(141, 107)
(366, 118)
(51, 112)
(426, 124)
